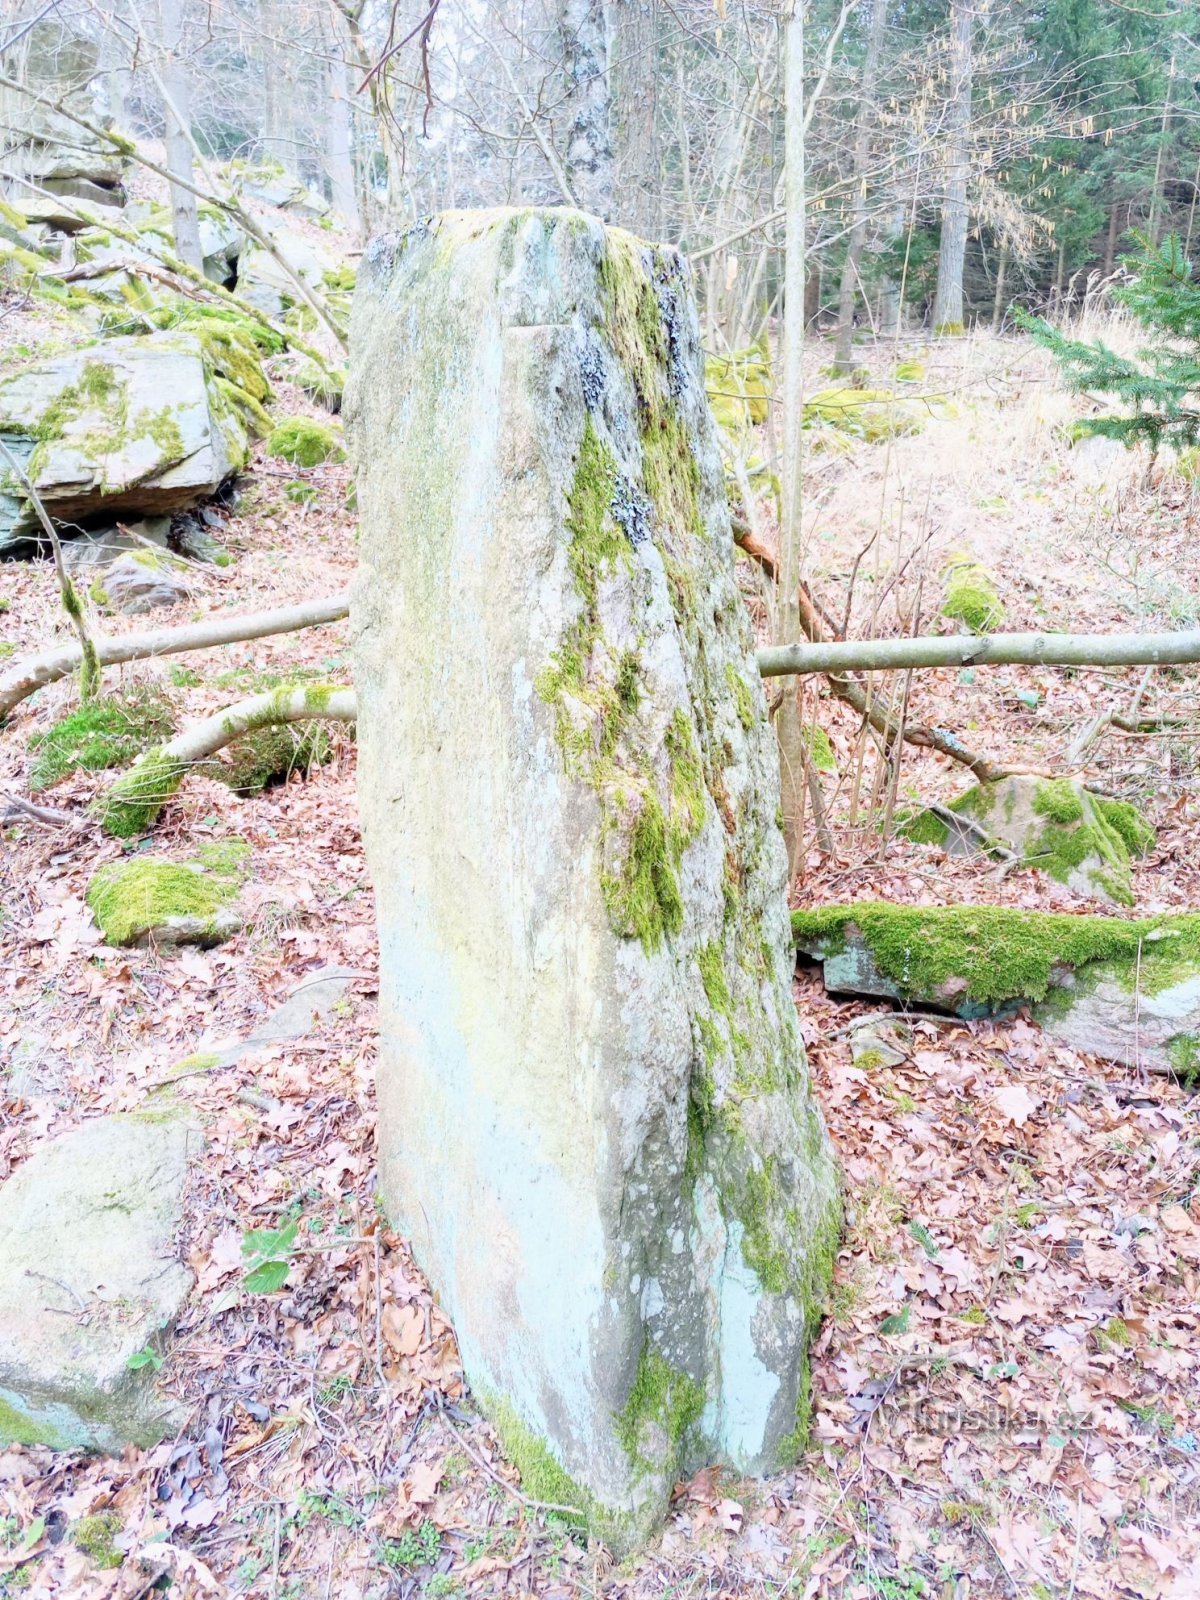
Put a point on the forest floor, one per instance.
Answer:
(1005, 1386)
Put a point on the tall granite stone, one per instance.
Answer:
(595, 1114)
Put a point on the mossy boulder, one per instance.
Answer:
(1128, 991)
(133, 425)
(738, 386)
(144, 580)
(556, 685)
(269, 756)
(1083, 840)
(870, 414)
(146, 900)
(90, 1276)
(971, 596)
(304, 443)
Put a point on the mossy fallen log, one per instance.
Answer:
(131, 805)
(1125, 990)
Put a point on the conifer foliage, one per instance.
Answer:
(1158, 389)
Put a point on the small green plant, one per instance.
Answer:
(335, 1391)
(418, 1547)
(898, 1322)
(442, 1583)
(146, 1357)
(925, 1239)
(268, 1253)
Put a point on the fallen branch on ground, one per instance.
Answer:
(33, 673)
(995, 649)
(132, 803)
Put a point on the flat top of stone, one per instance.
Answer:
(89, 1269)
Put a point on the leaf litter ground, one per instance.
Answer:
(1005, 1386)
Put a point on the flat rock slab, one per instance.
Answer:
(90, 1276)
(129, 425)
(596, 1122)
(1125, 991)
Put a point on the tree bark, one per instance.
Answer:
(993, 649)
(178, 141)
(848, 288)
(27, 676)
(948, 299)
(339, 161)
(585, 33)
(789, 728)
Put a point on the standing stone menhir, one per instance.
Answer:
(595, 1115)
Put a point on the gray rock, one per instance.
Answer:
(1080, 839)
(595, 1115)
(90, 1276)
(96, 548)
(131, 425)
(144, 580)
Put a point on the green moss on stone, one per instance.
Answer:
(971, 597)
(1127, 822)
(131, 805)
(743, 699)
(94, 1535)
(926, 827)
(228, 857)
(820, 750)
(128, 897)
(663, 1401)
(267, 756)
(543, 1478)
(1002, 953)
(1183, 1052)
(304, 443)
(1059, 800)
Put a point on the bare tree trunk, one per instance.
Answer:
(998, 299)
(184, 213)
(848, 289)
(992, 649)
(279, 89)
(948, 300)
(789, 726)
(584, 28)
(339, 162)
(634, 101)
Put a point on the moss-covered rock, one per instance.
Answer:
(971, 595)
(105, 733)
(304, 443)
(147, 900)
(268, 756)
(1125, 990)
(1083, 840)
(738, 386)
(870, 414)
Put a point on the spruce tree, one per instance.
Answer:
(1159, 387)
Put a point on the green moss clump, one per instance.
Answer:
(926, 827)
(1002, 953)
(228, 857)
(820, 750)
(971, 597)
(131, 805)
(739, 386)
(304, 443)
(95, 1535)
(665, 1400)
(1127, 822)
(99, 735)
(542, 1477)
(1059, 800)
(270, 755)
(127, 898)
(870, 414)
(743, 698)
(910, 372)
(1183, 1052)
